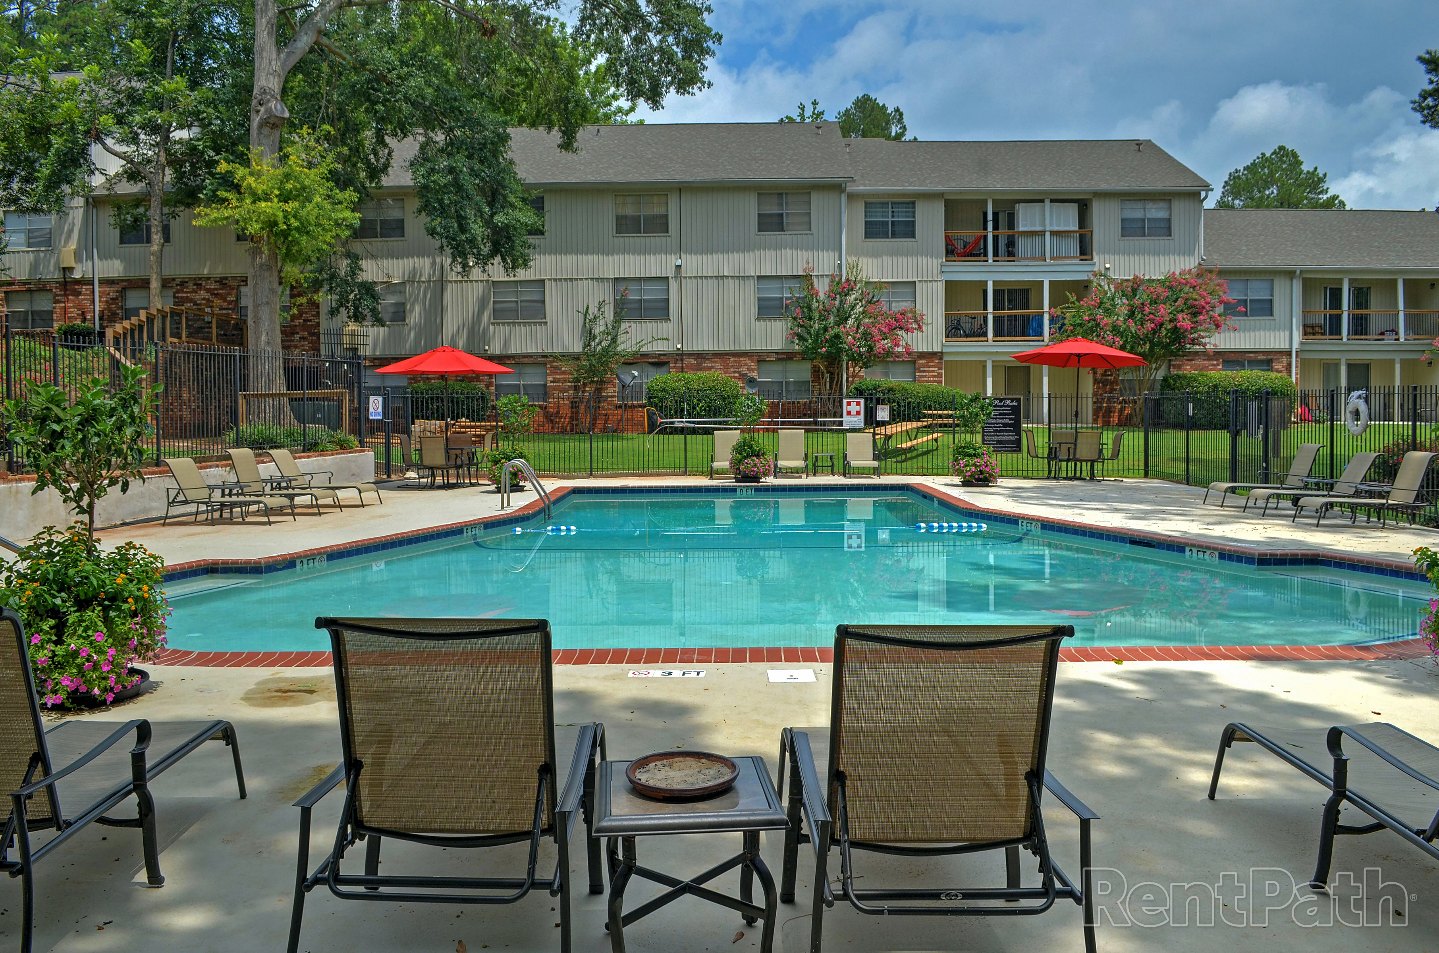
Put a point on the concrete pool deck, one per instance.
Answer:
(1135, 740)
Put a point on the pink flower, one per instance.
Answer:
(99, 636)
(35, 639)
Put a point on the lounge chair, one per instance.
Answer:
(936, 747)
(792, 455)
(249, 481)
(1405, 494)
(448, 741)
(192, 490)
(78, 771)
(859, 453)
(1299, 468)
(724, 444)
(1346, 485)
(289, 468)
(1386, 773)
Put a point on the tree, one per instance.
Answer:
(1426, 104)
(868, 118)
(848, 323)
(1277, 179)
(83, 447)
(605, 344)
(1157, 318)
(452, 75)
(815, 113)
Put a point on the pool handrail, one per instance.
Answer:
(528, 472)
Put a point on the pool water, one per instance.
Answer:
(682, 571)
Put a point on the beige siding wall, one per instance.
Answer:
(1147, 256)
(1261, 334)
(918, 259)
(1383, 292)
(65, 229)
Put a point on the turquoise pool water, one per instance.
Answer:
(674, 570)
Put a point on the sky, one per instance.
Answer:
(1214, 83)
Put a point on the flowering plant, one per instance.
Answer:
(848, 322)
(1427, 561)
(973, 462)
(749, 458)
(89, 614)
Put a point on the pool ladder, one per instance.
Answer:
(528, 473)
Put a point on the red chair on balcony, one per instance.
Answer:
(970, 250)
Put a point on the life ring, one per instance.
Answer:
(1356, 415)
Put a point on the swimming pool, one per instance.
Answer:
(715, 569)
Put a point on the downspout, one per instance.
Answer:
(1296, 291)
(679, 275)
(843, 263)
(94, 265)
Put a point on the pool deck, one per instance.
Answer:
(1136, 740)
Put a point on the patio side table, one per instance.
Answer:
(817, 460)
(751, 806)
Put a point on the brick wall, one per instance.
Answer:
(1214, 360)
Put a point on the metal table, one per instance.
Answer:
(817, 460)
(748, 808)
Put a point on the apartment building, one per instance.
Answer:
(704, 231)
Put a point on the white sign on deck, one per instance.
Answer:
(791, 674)
(377, 407)
(667, 673)
(854, 413)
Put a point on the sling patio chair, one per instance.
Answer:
(249, 481)
(448, 741)
(289, 468)
(724, 445)
(792, 455)
(936, 747)
(435, 457)
(1346, 485)
(1378, 769)
(78, 771)
(859, 453)
(192, 490)
(1405, 494)
(1299, 468)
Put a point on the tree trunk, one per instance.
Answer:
(267, 120)
(155, 216)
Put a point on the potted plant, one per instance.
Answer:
(749, 460)
(974, 465)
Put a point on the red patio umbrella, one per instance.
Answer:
(1077, 353)
(446, 362)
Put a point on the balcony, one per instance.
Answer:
(1422, 326)
(1035, 245)
(972, 327)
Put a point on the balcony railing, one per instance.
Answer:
(1370, 325)
(1056, 244)
(962, 327)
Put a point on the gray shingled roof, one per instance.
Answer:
(808, 152)
(1054, 165)
(1318, 238)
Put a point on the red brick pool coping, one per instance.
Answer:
(817, 655)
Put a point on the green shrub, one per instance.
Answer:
(270, 436)
(493, 461)
(75, 333)
(1209, 391)
(750, 457)
(708, 394)
(464, 400)
(909, 401)
(1386, 465)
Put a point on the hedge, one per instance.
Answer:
(465, 400)
(703, 395)
(1210, 393)
(909, 401)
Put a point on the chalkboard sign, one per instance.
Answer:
(1001, 430)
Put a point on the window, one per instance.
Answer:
(139, 234)
(784, 211)
(519, 301)
(392, 303)
(242, 303)
(643, 299)
(1145, 218)
(537, 202)
(29, 310)
(135, 300)
(634, 381)
(891, 371)
(775, 296)
(528, 380)
(784, 380)
(24, 230)
(1009, 299)
(897, 295)
(382, 218)
(642, 214)
(1249, 364)
(1253, 298)
(888, 219)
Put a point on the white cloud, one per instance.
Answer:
(1398, 172)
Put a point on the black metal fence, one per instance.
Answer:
(210, 398)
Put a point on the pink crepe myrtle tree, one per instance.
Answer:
(1157, 318)
(846, 323)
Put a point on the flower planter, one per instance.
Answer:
(141, 687)
(978, 482)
